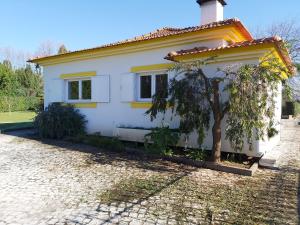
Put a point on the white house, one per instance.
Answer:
(113, 84)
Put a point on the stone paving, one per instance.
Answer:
(62, 183)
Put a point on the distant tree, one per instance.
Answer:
(22, 82)
(6, 74)
(30, 82)
(62, 50)
(46, 48)
(8, 84)
(7, 64)
(289, 31)
(17, 57)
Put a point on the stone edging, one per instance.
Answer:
(203, 164)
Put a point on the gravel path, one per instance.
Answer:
(61, 183)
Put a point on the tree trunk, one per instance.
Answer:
(216, 130)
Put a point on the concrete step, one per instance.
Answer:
(289, 123)
(268, 163)
(271, 158)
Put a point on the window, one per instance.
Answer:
(146, 86)
(151, 84)
(73, 90)
(86, 89)
(161, 86)
(79, 90)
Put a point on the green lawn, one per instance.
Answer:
(16, 120)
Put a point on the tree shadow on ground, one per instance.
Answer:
(275, 201)
(274, 198)
(106, 157)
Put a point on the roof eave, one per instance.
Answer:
(246, 34)
(282, 51)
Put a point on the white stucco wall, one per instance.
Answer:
(108, 116)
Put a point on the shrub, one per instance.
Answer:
(96, 140)
(296, 109)
(197, 154)
(19, 103)
(160, 141)
(59, 121)
(108, 143)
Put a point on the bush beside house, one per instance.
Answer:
(59, 121)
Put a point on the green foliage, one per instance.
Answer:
(188, 99)
(298, 66)
(160, 141)
(272, 132)
(19, 103)
(62, 50)
(108, 143)
(197, 154)
(96, 140)
(20, 89)
(252, 93)
(296, 109)
(15, 117)
(30, 82)
(250, 105)
(59, 121)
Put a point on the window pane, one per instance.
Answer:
(161, 85)
(86, 89)
(145, 84)
(73, 89)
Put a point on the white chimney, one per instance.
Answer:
(211, 10)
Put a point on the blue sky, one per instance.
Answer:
(89, 23)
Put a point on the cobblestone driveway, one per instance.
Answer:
(60, 183)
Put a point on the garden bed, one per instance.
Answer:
(224, 166)
(241, 165)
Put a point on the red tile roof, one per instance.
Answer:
(197, 50)
(276, 40)
(165, 32)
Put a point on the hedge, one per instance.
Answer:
(19, 103)
(296, 109)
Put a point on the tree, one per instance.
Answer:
(6, 74)
(289, 31)
(194, 96)
(46, 48)
(30, 82)
(62, 50)
(294, 88)
(17, 84)
(17, 58)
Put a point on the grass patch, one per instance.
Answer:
(132, 189)
(16, 117)
(10, 121)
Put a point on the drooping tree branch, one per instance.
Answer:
(250, 102)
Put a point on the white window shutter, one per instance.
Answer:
(128, 87)
(101, 89)
(55, 91)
